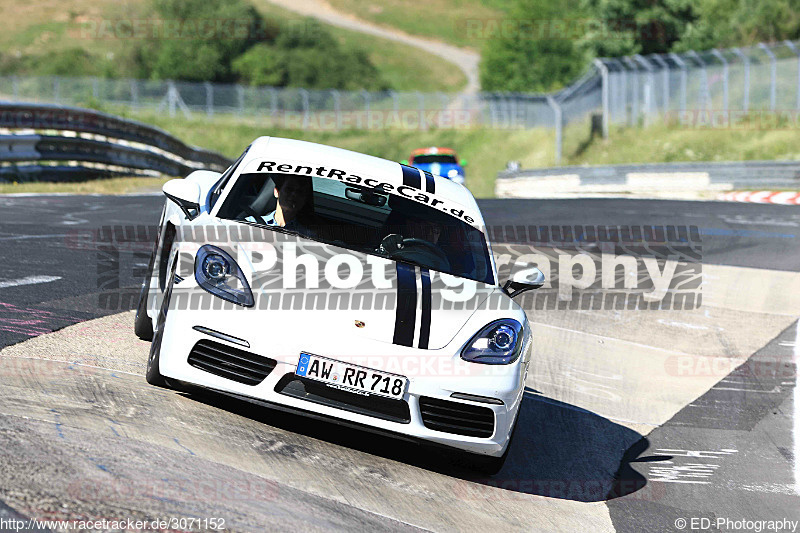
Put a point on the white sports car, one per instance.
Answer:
(339, 285)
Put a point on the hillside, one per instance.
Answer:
(101, 28)
(459, 22)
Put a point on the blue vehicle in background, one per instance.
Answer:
(440, 161)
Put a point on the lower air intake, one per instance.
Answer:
(230, 363)
(313, 391)
(456, 417)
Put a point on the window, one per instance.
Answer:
(435, 158)
(362, 219)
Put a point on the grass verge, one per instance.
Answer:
(486, 150)
(104, 186)
(663, 143)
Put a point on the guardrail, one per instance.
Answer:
(52, 143)
(655, 179)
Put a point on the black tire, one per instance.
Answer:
(142, 325)
(153, 376)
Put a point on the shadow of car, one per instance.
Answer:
(559, 451)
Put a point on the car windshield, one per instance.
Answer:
(362, 219)
(435, 158)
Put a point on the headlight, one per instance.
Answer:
(499, 343)
(455, 176)
(217, 272)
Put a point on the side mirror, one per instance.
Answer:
(526, 280)
(186, 194)
(208, 176)
(404, 162)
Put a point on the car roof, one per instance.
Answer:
(292, 151)
(433, 150)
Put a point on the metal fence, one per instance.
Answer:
(633, 90)
(715, 85)
(290, 107)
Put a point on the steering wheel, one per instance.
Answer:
(410, 247)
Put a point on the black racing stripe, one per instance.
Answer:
(425, 319)
(412, 177)
(430, 183)
(406, 305)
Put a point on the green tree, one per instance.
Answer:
(261, 65)
(726, 23)
(307, 55)
(637, 26)
(538, 52)
(200, 38)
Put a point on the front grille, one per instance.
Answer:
(455, 417)
(314, 391)
(230, 363)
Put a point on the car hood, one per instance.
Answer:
(354, 294)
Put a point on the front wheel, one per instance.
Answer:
(153, 376)
(142, 325)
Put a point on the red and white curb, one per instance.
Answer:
(762, 197)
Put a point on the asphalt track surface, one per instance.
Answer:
(610, 438)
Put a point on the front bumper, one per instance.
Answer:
(180, 338)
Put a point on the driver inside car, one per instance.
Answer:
(292, 195)
(410, 234)
(293, 206)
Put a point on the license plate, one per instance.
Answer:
(358, 379)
